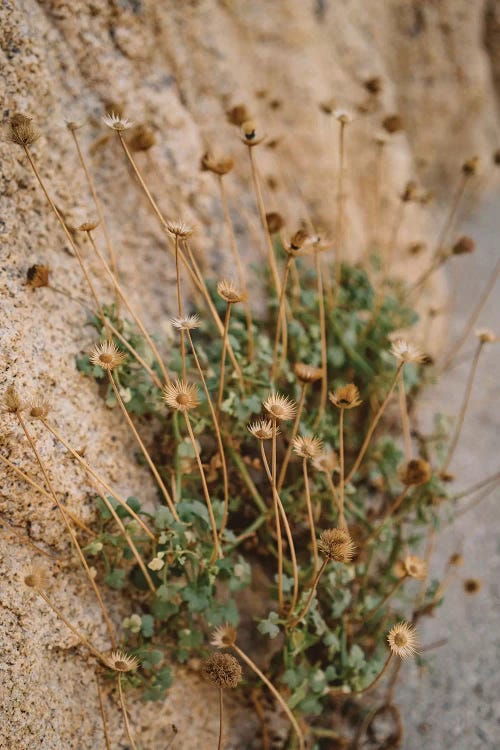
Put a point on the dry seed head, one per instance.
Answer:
(38, 408)
(88, 226)
(222, 670)
(463, 246)
(274, 222)
(37, 275)
(328, 107)
(224, 636)
(120, 661)
(298, 239)
(228, 291)
(262, 429)
(402, 639)
(107, 356)
(307, 373)
(12, 403)
(307, 447)
(186, 323)
(327, 461)
(249, 132)
(22, 131)
(404, 351)
(72, 125)
(337, 545)
(181, 396)
(472, 585)
(410, 193)
(415, 472)
(374, 85)
(456, 559)
(415, 567)
(280, 407)
(345, 397)
(179, 229)
(36, 578)
(393, 124)
(496, 157)
(220, 166)
(486, 335)
(470, 167)
(142, 138)
(238, 115)
(115, 122)
(342, 116)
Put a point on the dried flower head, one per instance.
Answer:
(228, 291)
(186, 322)
(456, 559)
(262, 429)
(416, 248)
(72, 125)
(496, 157)
(224, 636)
(39, 408)
(410, 193)
(274, 222)
(393, 124)
(472, 585)
(463, 246)
(115, 122)
(12, 403)
(345, 397)
(179, 229)
(337, 545)
(220, 166)
(403, 640)
(238, 115)
(307, 447)
(486, 335)
(298, 240)
(249, 132)
(327, 461)
(404, 351)
(307, 373)
(374, 85)
(142, 138)
(36, 578)
(120, 661)
(470, 167)
(329, 106)
(415, 567)
(222, 670)
(37, 275)
(280, 407)
(342, 116)
(415, 472)
(22, 131)
(107, 356)
(88, 226)
(181, 396)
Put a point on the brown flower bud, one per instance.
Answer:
(463, 246)
(238, 115)
(374, 85)
(142, 138)
(393, 123)
(471, 166)
(37, 275)
(274, 222)
(415, 472)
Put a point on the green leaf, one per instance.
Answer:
(115, 579)
(147, 626)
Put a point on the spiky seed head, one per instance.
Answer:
(463, 246)
(274, 222)
(228, 291)
(39, 408)
(404, 351)
(22, 131)
(249, 131)
(37, 275)
(327, 461)
(298, 240)
(342, 116)
(486, 335)
(186, 322)
(415, 567)
(120, 661)
(337, 545)
(115, 122)
(181, 396)
(307, 373)
(72, 125)
(107, 356)
(280, 407)
(402, 639)
(142, 138)
(12, 403)
(415, 472)
(238, 115)
(224, 636)
(345, 397)
(180, 229)
(36, 578)
(470, 166)
(262, 429)
(393, 124)
(220, 166)
(222, 670)
(307, 447)
(88, 226)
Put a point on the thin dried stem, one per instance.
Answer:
(405, 421)
(340, 210)
(223, 359)
(276, 515)
(383, 602)
(124, 712)
(310, 515)
(371, 685)
(295, 429)
(281, 323)
(335, 494)
(388, 513)
(305, 609)
(180, 307)
(219, 744)
(342, 467)
(152, 374)
(71, 627)
(322, 328)
(262, 212)
(26, 540)
(103, 713)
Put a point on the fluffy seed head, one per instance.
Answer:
(22, 131)
(120, 661)
(224, 636)
(337, 545)
(180, 229)
(222, 670)
(186, 323)
(345, 397)
(12, 403)
(115, 122)
(486, 335)
(36, 578)
(107, 356)
(228, 291)
(280, 407)
(403, 640)
(327, 461)
(262, 429)
(220, 166)
(415, 567)
(181, 396)
(404, 351)
(307, 373)
(307, 447)
(37, 275)
(463, 246)
(415, 472)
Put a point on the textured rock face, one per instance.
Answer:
(177, 67)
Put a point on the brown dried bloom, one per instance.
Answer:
(307, 447)
(471, 166)
(249, 131)
(88, 226)
(280, 407)
(345, 397)
(262, 429)
(220, 166)
(403, 640)
(180, 229)
(222, 670)
(486, 335)
(224, 636)
(36, 578)
(406, 352)
(337, 545)
(496, 157)
(410, 193)
(415, 472)
(393, 124)
(107, 356)
(456, 559)
(37, 275)
(238, 115)
(39, 408)
(463, 246)
(22, 131)
(472, 585)
(142, 138)
(415, 567)
(274, 222)
(186, 322)
(181, 396)
(12, 403)
(116, 122)
(374, 85)
(228, 291)
(298, 239)
(307, 373)
(120, 661)
(327, 461)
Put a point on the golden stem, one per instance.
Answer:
(405, 418)
(322, 328)
(340, 213)
(179, 306)
(371, 685)
(223, 358)
(295, 429)
(342, 468)
(276, 515)
(262, 212)
(310, 513)
(281, 323)
(103, 714)
(305, 609)
(124, 712)
(219, 745)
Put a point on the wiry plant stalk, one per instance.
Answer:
(295, 429)
(342, 467)
(305, 609)
(152, 374)
(262, 212)
(179, 306)
(223, 359)
(103, 714)
(405, 421)
(335, 496)
(310, 515)
(372, 684)
(276, 513)
(322, 328)
(221, 712)
(281, 322)
(123, 707)
(340, 211)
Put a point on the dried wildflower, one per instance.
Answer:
(186, 323)
(229, 292)
(471, 166)
(274, 222)
(249, 133)
(342, 116)
(220, 166)
(156, 563)
(374, 85)
(115, 122)
(72, 125)
(307, 373)
(345, 397)
(120, 661)
(404, 351)
(472, 585)
(22, 131)
(222, 670)
(262, 429)
(327, 461)
(37, 275)
(39, 408)
(298, 239)
(337, 545)
(179, 229)
(463, 246)
(486, 335)
(416, 248)
(107, 356)
(307, 447)
(12, 403)
(238, 115)
(456, 559)
(410, 193)
(181, 396)
(328, 107)
(280, 407)
(393, 123)
(88, 226)
(415, 567)
(36, 578)
(403, 640)
(142, 138)
(415, 472)
(496, 157)
(224, 636)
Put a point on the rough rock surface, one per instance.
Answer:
(177, 67)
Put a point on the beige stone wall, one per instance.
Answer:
(177, 66)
